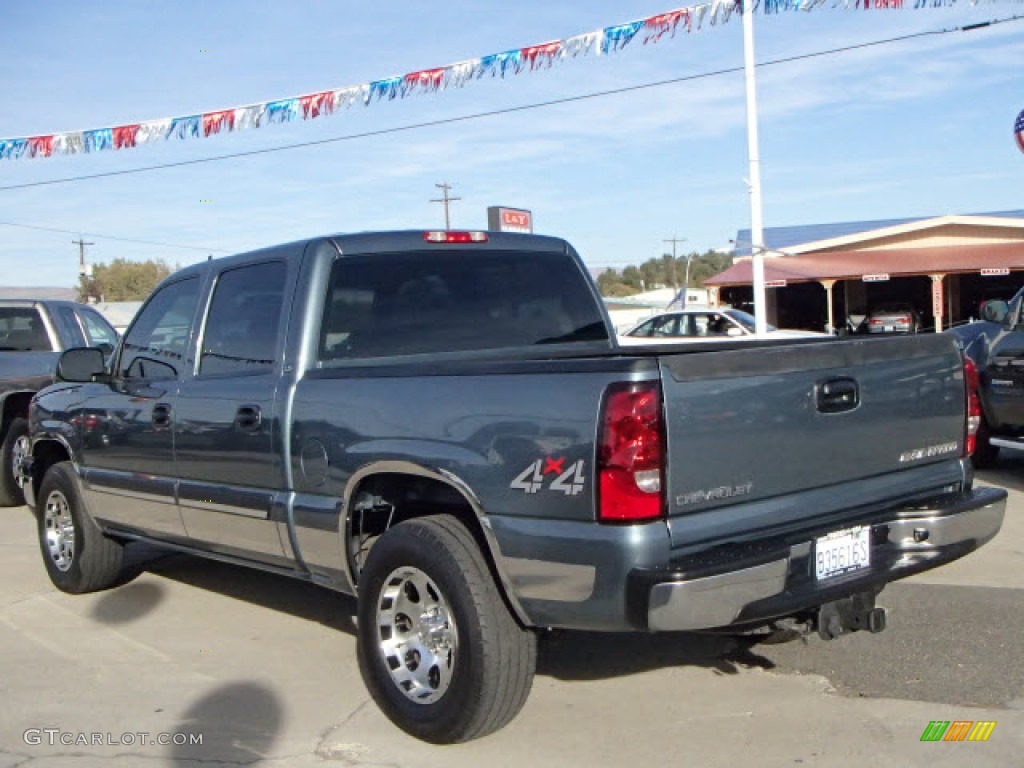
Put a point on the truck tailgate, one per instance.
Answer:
(762, 423)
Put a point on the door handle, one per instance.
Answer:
(161, 416)
(249, 418)
(837, 395)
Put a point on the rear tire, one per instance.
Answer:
(439, 650)
(985, 454)
(15, 446)
(77, 555)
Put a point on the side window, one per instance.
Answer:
(644, 330)
(718, 325)
(243, 325)
(69, 324)
(155, 345)
(22, 329)
(97, 328)
(663, 326)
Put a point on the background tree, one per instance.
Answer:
(662, 272)
(123, 280)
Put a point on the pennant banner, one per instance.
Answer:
(600, 42)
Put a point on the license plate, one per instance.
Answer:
(889, 329)
(842, 552)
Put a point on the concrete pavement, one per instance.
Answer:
(263, 668)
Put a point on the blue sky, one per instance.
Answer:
(914, 128)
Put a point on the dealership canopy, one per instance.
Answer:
(856, 265)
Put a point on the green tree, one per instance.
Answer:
(653, 272)
(123, 280)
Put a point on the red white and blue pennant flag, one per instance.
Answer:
(1018, 130)
(314, 105)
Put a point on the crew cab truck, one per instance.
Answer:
(33, 333)
(994, 347)
(441, 424)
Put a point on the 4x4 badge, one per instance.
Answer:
(570, 481)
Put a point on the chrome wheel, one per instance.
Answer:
(417, 635)
(18, 453)
(60, 530)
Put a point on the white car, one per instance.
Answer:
(702, 325)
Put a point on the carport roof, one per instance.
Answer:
(901, 262)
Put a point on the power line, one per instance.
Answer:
(112, 237)
(512, 110)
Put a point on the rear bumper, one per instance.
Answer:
(744, 586)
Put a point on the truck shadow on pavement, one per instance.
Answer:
(278, 593)
(587, 656)
(562, 655)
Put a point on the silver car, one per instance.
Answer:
(894, 318)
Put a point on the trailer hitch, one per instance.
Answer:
(850, 614)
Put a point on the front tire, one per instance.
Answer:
(439, 650)
(77, 555)
(14, 450)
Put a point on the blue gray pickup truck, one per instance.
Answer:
(442, 424)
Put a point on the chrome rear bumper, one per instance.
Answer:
(782, 581)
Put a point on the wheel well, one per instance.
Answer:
(384, 500)
(45, 454)
(15, 405)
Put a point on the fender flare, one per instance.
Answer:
(34, 479)
(454, 482)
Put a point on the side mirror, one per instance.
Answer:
(81, 364)
(994, 311)
(106, 348)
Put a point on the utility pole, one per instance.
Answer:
(81, 254)
(675, 241)
(446, 199)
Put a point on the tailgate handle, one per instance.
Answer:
(838, 395)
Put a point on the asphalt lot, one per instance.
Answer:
(263, 668)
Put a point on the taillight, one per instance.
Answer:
(904, 320)
(876, 322)
(973, 421)
(445, 236)
(630, 454)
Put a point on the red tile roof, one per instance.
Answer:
(853, 265)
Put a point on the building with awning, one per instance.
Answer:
(944, 267)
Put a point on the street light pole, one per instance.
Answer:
(756, 224)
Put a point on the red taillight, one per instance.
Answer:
(903, 320)
(444, 236)
(876, 322)
(973, 421)
(630, 455)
